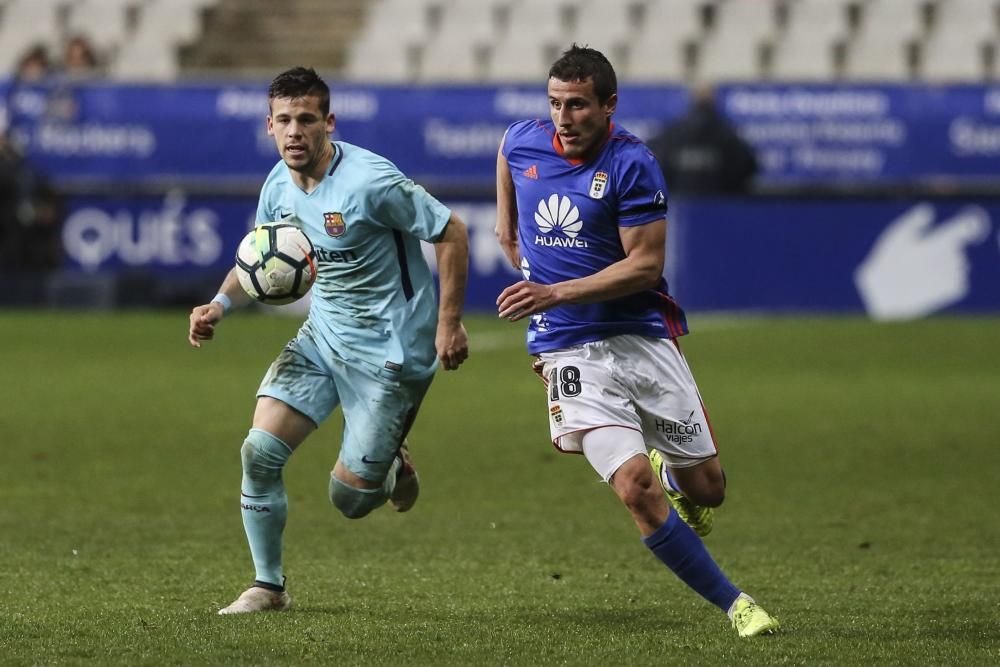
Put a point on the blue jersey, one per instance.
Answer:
(374, 298)
(569, 213)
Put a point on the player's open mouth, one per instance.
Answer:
(295, 149)
(569, 138)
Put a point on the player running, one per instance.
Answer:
(374, 335)
(581, 211)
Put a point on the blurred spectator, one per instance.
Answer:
(702, 154)
(31, 210)
(30, 216)
(34, 65)
(79, 58)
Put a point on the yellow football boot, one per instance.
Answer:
(750, 619)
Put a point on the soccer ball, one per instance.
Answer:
(276, 263)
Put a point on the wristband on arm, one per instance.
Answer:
(223, 301)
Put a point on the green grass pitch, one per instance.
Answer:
(862, 510)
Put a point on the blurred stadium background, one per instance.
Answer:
(876, 124)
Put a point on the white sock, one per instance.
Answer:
(668, 480)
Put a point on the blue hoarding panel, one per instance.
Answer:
(894, 259)
(817, 134)
(890, 258)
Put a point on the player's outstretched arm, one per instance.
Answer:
(506, 229)
(640, 270)
(204, 318)
(452, 251)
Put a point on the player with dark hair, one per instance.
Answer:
(375, 332)
(581, 211)
(300, 82)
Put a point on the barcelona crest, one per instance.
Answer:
(334, 223)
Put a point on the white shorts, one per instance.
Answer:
(633, 382)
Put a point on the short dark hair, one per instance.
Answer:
(300, 82)
(579, 63)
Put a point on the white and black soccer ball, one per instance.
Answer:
(276, 263)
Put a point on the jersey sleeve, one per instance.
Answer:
(642, 193)
(514, 135)
(403, 205)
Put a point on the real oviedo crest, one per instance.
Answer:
(334, 223)
(598, 184)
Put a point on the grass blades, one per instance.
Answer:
(862, 508)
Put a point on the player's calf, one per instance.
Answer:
(636, 487)
(263, 502)
(704, 483)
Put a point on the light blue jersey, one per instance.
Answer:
(374, 298)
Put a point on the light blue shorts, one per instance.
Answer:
(378, 407)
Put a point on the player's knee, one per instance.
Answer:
(263, 456)
(638, 493)
(354, 503)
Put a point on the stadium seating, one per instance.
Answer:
(806, 47)
(135, 38)
(733, 48)
(516, 40)
(462, 46)
(391, 42)
(718, 40)
(24, 23)
(537, 31)
(106, 23)
(664, 46)
(607, 26)
(960, 47)
(884, 47)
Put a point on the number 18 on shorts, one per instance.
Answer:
(633, 382)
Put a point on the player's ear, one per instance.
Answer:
(611, 105)
(269, 122)
(331, 123)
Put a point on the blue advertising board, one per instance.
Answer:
(893, 259)
(890, 258)
(214, 134)
(870, 134)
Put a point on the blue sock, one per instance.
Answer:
(264, 503)
(680, 549)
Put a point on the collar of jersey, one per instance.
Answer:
(338, 155)
(557, 145)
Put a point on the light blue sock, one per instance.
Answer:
(680, 549)
(264, 503)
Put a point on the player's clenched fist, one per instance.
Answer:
(203, 320)
(525, 298)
